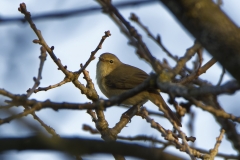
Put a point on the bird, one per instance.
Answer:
(115, 77)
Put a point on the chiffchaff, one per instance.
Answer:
(115, 77)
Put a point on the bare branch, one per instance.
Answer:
(214, 151)
(216, 112)
(66, 80)
(73, 12)
(197, 73)
(81, 146)
(201, 22)
(170, 136)
(39, 77)
(221, 77)
(143, 50)
(41, 41)
(134, 18)
(188, 55)
(107, 34)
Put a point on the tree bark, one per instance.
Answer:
(212, 28)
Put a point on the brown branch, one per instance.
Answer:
(197, 73)
(88, 128)
(211, 27)
(149, 112)
(66, 80)
(126, 117)
(154, 140)
(214, 151)
(180, 90)
(59, 15)
(129, 138)
(41, 41)
(99, 46)
(31, 111)
(185, 146)
(89, 90)
(221, 77)
(182, 61)
(90, 84)
(42, 58)
(134, 18)
(36, 105)
(49, 129)
(216, 112)
(101, 104)
(6, 106)
(25, 113)
(228, 125)
(70, 76)
(170, 136)
(93, 115)
(200, 58)
(81, 146)
(143, 50)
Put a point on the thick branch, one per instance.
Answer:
(212, 28)
(81, 146)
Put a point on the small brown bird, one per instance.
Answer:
(115, 77)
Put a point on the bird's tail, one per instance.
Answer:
(157, 99)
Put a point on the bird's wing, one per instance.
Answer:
(125, 77)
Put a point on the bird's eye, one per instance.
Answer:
(111, 61)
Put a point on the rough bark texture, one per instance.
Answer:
(212, 28)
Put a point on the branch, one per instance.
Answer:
(80, 146)
(216, 112)
(211, 27)
(221, 77)
(73, 12)
(229, 87)
(143, 50)
(197, 73)
(180, 90)
(69, 76)
(42, 58)
(157, 39)
(66, 80)
(183, 60)
(107, 34)
(41, 41)
(154, 140)
(171, 137)
(214, 151)
(29, 93)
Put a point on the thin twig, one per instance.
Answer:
(42, 58)
(28, 110)
(20, 115)
(214, 151)
(170, 136)
(72, 12)
(143, 50)
(216, 112)
(66, 80)
(197, 73)
(99, 46)
(134, 18)
(41, 41)
(221, 77)
(183, 60)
